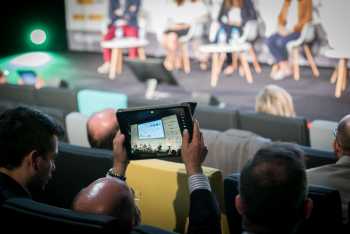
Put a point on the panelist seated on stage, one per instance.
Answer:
(235, 14)
(123, 15)
(28, 148)
(181, 14)
(3, 79)
(288, 31)
(273, 190)
(111, 196)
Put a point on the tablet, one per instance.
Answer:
(28, 77)
(155, 131)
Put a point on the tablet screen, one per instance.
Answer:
(28, 77)
(154, 133)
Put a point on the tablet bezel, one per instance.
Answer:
(125, 129)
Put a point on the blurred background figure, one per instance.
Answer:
(274, 100)
(183, 13)
(234, 14)
(287, 31)
(39, 83)
(3, 78)
(123, 15)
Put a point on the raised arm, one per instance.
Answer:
(204, 214)
(121, 159)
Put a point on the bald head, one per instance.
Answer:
(102, 128)
(343, 135)
(108, 196)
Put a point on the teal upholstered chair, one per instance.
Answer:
(92, 101)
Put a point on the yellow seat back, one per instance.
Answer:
(165, 200)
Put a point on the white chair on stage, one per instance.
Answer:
(184, 47)
(252, 30)
(335, 17)
(307, 35)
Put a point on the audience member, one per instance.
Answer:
(102, 128)
(337, 175)
(114, 198)
(183, 14)
(277, 42)
(3, 79)
(273, 190)
(38, 84)
(235, 14)
(204, 216)
(122, 13)
(28, 148)
(274, 100)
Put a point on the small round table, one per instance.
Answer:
(218, 61)
(117, 44)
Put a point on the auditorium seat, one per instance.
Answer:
(55, 102)
(209, 117)
(92, 101)
(77, 129)
(18, 93)
(65, 99)
(276, 128)
(147, 229)
(165, 195)
(230, 150)
(138, 102)
(4, 105)
(317, 158)
(321, 134)
(326, 216)
(57, 114)
(26, 216)
(220, 119)
(76, 168)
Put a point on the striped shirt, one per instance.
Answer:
(198, 181)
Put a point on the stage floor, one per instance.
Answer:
(313, 96)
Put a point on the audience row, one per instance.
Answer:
(272, 188)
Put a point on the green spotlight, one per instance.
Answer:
(38, 36)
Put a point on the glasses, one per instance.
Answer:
(137, 196)
(335, 135)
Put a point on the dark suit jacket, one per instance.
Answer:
(9, 188)
(131, 17)
(204, 216)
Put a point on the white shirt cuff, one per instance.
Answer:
(198, 181)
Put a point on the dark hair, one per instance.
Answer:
(24, 129)
(343, 136)
(273, 187)
(104, 142)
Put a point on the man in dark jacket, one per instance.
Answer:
(28, 148)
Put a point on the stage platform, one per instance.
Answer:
(313, 96)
